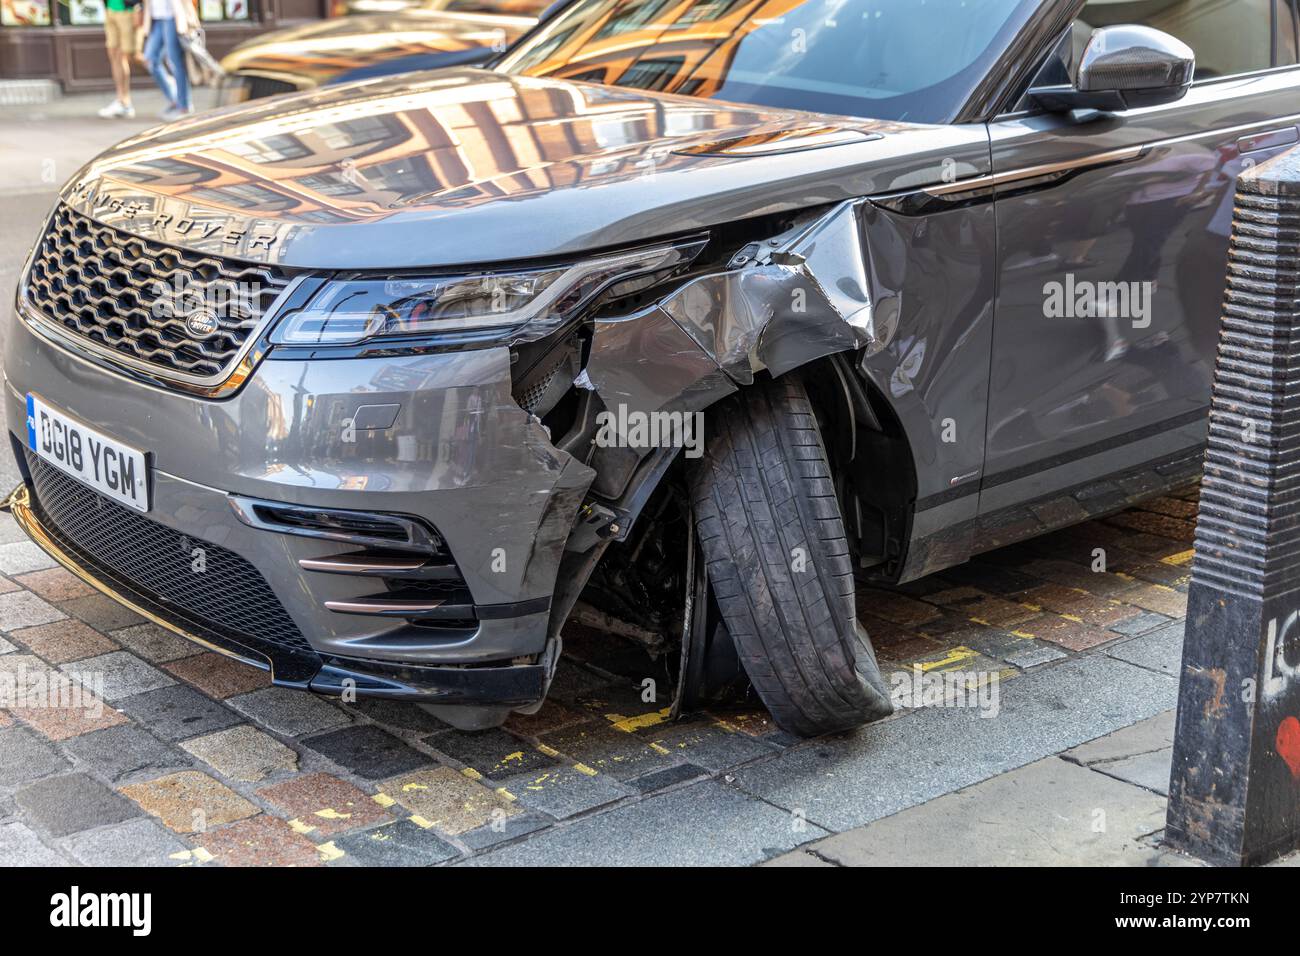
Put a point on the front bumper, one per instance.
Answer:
(459, 456)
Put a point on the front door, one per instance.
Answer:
(1112, 255)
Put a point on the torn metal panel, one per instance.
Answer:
(645, 363)
(793, 299)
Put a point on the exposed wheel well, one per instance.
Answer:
(871, 457)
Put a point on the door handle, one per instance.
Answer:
(1274, 137)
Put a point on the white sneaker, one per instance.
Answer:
(115, 109)
(175, 113)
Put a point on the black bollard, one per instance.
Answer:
(1234, 792)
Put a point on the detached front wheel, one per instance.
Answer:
(778, 561)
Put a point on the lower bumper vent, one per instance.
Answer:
(229, 597)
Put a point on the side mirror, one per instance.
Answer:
(1124, 67)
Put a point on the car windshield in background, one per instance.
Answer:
(513, 8)
(915, 60)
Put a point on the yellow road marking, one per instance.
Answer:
(954, 656)
(630, 724)
(328, 851)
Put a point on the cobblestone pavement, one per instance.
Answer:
(182, 757)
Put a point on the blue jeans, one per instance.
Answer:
(165, 43)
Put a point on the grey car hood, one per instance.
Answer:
(467, 166)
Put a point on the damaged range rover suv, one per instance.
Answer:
(354, 384)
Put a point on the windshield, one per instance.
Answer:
(915, 60)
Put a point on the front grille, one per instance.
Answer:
(260, 86)
(134, 296)
(228, 597)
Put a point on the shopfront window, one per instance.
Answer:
(80, 13)
(25, 13)
(216, 11)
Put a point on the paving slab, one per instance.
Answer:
(562, 792)
(1141, 755)
(1154, 733)
(1144, 622)
(123, 674)
(668, 777)
(62, 641)
(24, 756)
(20, 609)
(396, 844)
(189, 801)
(178, 712)
(398, 714)
(1035, 655)
(118, 752)
(1049, 813)
(449, 800)
(494, 753)
(20, 846)
(504, 828)
(22, 556)
(703, 825)
(55, 584)
(846, 781)
(324, 805)
(135, 843)
(710, 746)
(289, 712)
(155, 644)
(1149, 771)
(596, 745)
(71, 803)
(799, 858)
(552, 716)
(262, 841)
(242, 753)
(101, 612)
(368, 751)
(217, 675)
(67, 709)
(1159, 650)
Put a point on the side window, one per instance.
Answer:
(1228, 36)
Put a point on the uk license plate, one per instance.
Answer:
(115, 470)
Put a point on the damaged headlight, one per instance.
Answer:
(525, 305)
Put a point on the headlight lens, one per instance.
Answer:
(525, 305)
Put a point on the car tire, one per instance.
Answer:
(778, 561)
